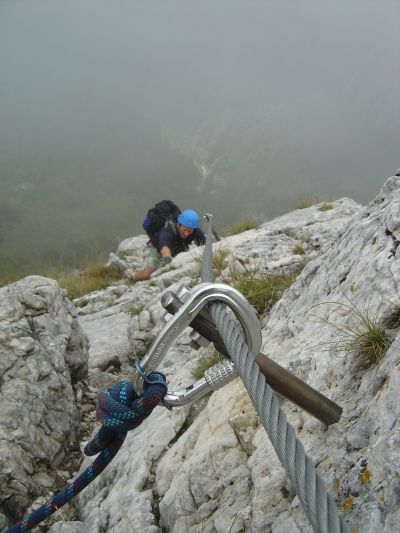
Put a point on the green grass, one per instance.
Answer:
(244, 223)
(326, 206)
(205, 363)
(261, 290)
(136, 310)
(364, 337)
(95, 277)
(306, 201)
(298, 250)
(77, 283)
(220, 253)
(391, 320)
(7, 278)
(219, 257)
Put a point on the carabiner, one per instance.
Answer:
(194, 302)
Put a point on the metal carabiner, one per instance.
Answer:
(194, 302)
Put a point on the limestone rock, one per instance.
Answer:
(43, 353)
(210, 467)
(129, 253)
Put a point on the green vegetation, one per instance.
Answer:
(243, 224)
(219, 257)
(205, 363)
(136, 310)
(326, 206)
(95, 277)
(262, 290)
(298, 250)
(306, 201)
(220, 253)
(8, 277)
(392, 319)
(364, 337)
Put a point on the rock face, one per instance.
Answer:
(210, 467)
(43, 353)
(200, 478)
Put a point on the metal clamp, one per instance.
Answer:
(194, 302)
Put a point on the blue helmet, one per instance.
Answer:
(189, 219)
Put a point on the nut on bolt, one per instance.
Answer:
(198, 341)
(166, 316)
(183, 293)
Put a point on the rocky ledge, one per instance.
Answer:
(209, 467)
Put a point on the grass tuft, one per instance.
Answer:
(364, 338)
(306, 201)
(242, 224)
(220, 253)
(219, 257)
(326, 206)
(261, 290)
(135, 311)
(205, 363)
(392, 319)
(97, 276)
(298, 250)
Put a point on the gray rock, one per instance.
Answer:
(68, 527)
(211, 467)
(43, 352)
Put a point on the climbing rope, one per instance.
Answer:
(119, 409)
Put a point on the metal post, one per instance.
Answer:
(207, 274)
(280, 379)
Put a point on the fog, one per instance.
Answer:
(230, 107)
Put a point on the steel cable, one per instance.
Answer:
(316, 501)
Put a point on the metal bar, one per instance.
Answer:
(216, 236)
(207, 274)
(280, 379)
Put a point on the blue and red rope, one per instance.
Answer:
(119, 409)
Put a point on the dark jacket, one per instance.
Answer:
(168, 235)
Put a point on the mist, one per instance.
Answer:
(230, 107)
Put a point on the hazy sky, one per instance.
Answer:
(92, 71)
(135, 92)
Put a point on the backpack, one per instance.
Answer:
(158, 215)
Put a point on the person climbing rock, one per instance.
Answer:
(173, 235)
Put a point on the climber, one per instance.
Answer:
(173, 237)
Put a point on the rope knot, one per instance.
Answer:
(120, 409)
